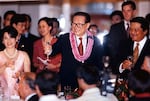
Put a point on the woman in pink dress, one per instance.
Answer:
(12, 62)
(41, 59)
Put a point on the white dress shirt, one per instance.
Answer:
(50, 97)
(29, 96)
(126, 24)
(84, 41)
(92, 94)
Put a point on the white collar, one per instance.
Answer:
(142, 42)
(48, 97)
(83, 36)
(29, 96)
(91, 90)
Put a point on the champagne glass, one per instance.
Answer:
(130, 58)
(47, 50)
(67, 91)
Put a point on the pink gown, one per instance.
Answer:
(6, 78)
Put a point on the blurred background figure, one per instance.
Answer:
(88, 79)
(93, 28)
(26, 87)
(0, 21)
(139, 85)
(146, 63)
(147, 17)
(116, 17)
(18, 21)
(28, 39)
(7, 17)
(56, 30)
(47, 85)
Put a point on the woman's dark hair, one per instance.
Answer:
(12, 32)
(48, 20)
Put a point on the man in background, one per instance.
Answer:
(56, 29)
(26, 87)
(7, 17)
(28, 39)
(119, 33)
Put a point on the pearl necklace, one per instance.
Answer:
(11, 56)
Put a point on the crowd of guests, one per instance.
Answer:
(38, 68)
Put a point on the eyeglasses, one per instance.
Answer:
(79, 25)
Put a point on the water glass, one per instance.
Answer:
(67, 91)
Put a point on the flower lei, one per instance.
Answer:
(81, 58)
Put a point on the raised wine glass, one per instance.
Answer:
(130, 58)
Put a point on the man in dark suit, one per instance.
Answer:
(26, 87)
(139, 28)
(27, 40)
(118, 33)
(22, 22)
(68, 45)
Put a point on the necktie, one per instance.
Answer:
(80, 47)
(17, 43)
(136, 53)
(127, 29)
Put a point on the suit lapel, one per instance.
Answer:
(143, 53)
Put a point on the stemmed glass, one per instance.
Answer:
(130, 58)
(47, 50)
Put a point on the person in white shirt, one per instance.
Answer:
(26, 87)
(46, 85)
(88, 78)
